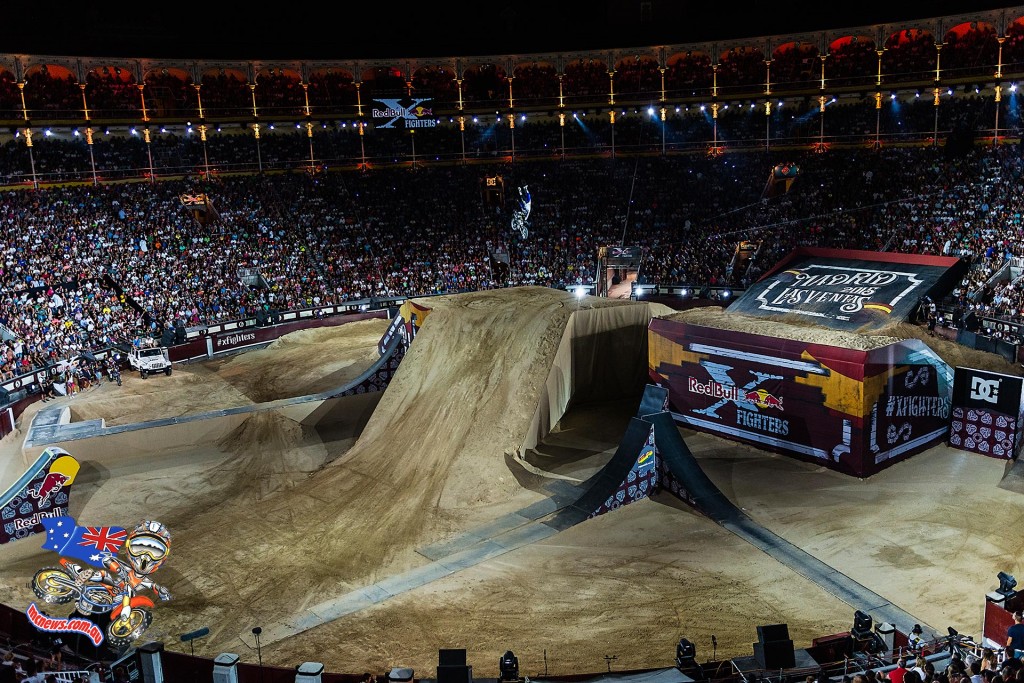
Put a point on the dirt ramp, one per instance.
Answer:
(268, 453)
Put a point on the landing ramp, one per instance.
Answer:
(849, 289)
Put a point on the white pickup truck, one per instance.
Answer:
(150, 360)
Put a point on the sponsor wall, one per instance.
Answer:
(855, 411)
(988, 412)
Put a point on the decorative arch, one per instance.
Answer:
(795, 64)
(637, 77)
(689, 74)
(969, 49)
(1013, 46)
(485, 84)
(852, 60)
(909, 55)
(10, 98)
(332, 90)
(51, 91)
(225, 92)
(536, 83)
(169, 92)
(586, 81)
(110, 91)
(279, 92)
(740, 67)
(436, 81)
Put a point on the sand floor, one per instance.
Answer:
(439, 457)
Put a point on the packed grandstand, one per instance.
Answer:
(310, 202)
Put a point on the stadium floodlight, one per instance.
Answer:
(1006, 583)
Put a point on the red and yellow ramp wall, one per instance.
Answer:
(851, 410)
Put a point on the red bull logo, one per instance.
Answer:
(52, 483)
(763, 399)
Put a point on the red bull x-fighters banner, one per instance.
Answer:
(41, 493)
(855, 411)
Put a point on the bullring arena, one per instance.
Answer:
(275, 514)
(618, 390)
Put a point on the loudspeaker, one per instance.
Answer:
(775, 654)
(451, 657)
(454, 673)
(770, 632)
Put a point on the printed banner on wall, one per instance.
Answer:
(41, 493)
(987, 413)
(852, 410)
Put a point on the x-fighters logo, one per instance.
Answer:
(985, 389)
(411, 116)
(722, 387)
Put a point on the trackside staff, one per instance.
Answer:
(1015, 636)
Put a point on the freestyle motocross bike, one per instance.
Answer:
(70, 582)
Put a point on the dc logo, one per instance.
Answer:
(984, 389)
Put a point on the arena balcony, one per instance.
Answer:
(984, 48)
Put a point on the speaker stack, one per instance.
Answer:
(452, 668)
(774, 649)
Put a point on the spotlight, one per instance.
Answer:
(1013, 87)
(47, 132)
(861, 625)
(522, 117)
(725, 293)
(686, 654)
(134, 132)
(650, 111)
(76, 133)
(1006, 583)
(508, 665)
(580, 292)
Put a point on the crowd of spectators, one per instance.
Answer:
(87, 266)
